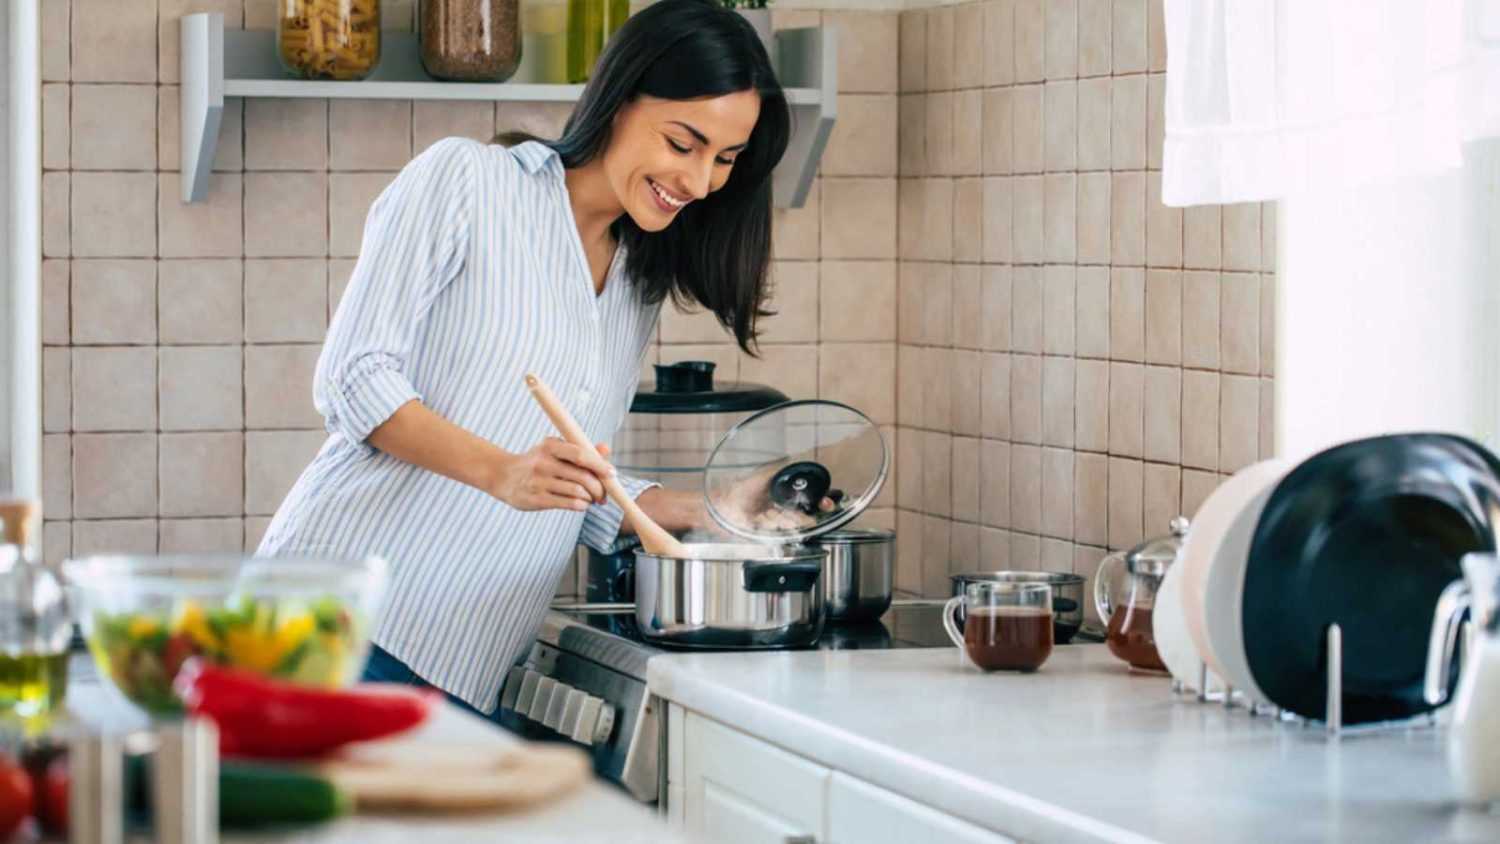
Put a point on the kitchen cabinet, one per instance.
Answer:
(738, 789)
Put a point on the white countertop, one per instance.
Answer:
(1080, 751)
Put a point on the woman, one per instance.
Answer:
(481, 264)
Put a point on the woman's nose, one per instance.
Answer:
(699, 179)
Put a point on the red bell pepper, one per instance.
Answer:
(271, 719)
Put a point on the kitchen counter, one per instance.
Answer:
(1080, 751)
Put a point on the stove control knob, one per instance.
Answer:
(572, 706)
(604, 724)
(527, 694)
(553, 715)
(596, 719)
(538, 709)
(512, 689)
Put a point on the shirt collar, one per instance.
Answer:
(534, 155)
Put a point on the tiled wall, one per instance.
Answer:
(1077, 362)
(180, 339)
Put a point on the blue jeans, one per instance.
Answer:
(381, 667)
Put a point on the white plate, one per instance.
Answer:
(1173, 643)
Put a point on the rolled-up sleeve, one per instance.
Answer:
(601, 522)
(415, 239)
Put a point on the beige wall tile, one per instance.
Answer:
(1026, 488)
(115, 536)
(1242, 236)
(1092, 327)
(967, 395)
(1127, 219)
(1028, 209)
(1025, 552)
(1091, 498)
(794, 298)
(859, 218)
(857, 301)
(282, 134)
(1156, 119)
(1267, 418)
(994, 482)
(939, 143)
(1200, 320)
(1125, 502)
(1201, 237)
(199, 301)
(1267, 324)
(910, 386)
(114, 215)
(114, 41)
(863, 142)
(1026, 398)
(1093, 218)
(1164, 317)
(1026, 303)
(1161, 498)
(1031, 39)
(999, 42)
(967, 305)
(965, 476)
(114, 127)
(1057, 492)
(995, 329)
(116, 301)
(968, 46)
(791, 369)
(57, 226)
(1028, 151)
(433, 120)
(935, 539)
(867, 41)
(1130, 36)
(57, 476)
(286, 215)
(968, 220)
(997, 219)
(350, 196)
(1093, 123)
(541, 120)
(340, 270)
(1127, 389)
(963, 549)
(1127, 314)
(1239, 322)
(913, 35)
(968, 122)
(286, 300)
(273, 460)
(1156, 36)
(278, 387)
(911, 136)
(1091, 405)
(912, 204)
(909, 479)
(369, 134)
(940, 43)
(56, 291)
(202, 474)
(937, 390)
(1200, 419)
(1196, 486)
(911, 307)
(908, 574)
(936, 233)
(56, 41)
(255, 530)
(201, 536)
(1059, 309)
(201, 388)
(1060, 218)
(937, 473)
(795, 231)
(1239, 428)
(56, 122)
(114, 475)
(997, 139)
(57, 389)
(208, 229)
(1128, 123)
(1163, 227)
(994, 395)
(1094, 37)
(862, 375)
(937, 305)
(695, 325)
(1060, 125)
(1061, 48)
(1163, 414)
(57, 542)
(114, 388)
(1057, 401)
(1268, 237)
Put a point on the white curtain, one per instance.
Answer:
(1271, 98)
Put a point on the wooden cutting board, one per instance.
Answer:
(433, 777)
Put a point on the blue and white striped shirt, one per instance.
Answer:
(471, 275)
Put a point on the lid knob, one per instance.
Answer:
(689, 376)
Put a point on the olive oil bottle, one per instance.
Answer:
(590, 24)
(35, 627)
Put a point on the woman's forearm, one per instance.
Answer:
(674, 510)
(417, 435)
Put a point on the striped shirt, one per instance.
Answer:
(471, 275)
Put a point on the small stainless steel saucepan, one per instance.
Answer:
(857, 574)
(731, 595)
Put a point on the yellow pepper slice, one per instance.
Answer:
(143, 626)
(193, 622)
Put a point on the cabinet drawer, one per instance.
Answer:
(744, 789)
(859, 813)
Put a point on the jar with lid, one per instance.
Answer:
(1125, 596)
(590, 24)
(328, 39)
(35, 627)
(470, 40)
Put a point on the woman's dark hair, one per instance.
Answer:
(717, 252)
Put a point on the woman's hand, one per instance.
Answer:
(553, 475)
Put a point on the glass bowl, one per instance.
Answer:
(305, 620)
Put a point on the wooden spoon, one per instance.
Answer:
(654, 539)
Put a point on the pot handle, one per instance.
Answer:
(950, 623)
(1102, 581)
(1451, 606)
(778, 576)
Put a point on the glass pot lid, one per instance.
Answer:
(795, 471)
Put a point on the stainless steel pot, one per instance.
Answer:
(742, 596)
(1067, 596)
(857, 573)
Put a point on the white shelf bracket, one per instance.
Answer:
(806, 58)
(202, 93)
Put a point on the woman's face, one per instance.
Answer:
(664, 154)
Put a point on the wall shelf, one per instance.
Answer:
(218, 64)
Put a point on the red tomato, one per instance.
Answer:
(52, 798)
(15, 797)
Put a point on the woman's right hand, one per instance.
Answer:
(553, 475)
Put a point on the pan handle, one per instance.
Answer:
(779, 576)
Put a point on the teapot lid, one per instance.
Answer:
(1154, 555)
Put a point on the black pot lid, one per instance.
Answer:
(1366, 534)
(688, 387)
(795, 471)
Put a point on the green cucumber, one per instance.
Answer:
(253, 795)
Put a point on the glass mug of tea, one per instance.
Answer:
(1006, 627)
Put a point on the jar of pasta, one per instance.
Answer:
(471, 40)
(328, 39)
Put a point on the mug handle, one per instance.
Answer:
(1102, 579)
(1447, 617)
(951, 625)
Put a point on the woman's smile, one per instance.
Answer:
(667, 201)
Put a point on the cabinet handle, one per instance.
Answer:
(801, 839)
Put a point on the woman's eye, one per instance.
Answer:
(679, 147)
(725, 161)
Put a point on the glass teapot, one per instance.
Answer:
(1125, 595)
(1474, 736)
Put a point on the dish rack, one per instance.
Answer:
(1332, 724)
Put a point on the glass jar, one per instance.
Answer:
(471, 40)
(328, 39)
(590, 24)
(35, 626)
